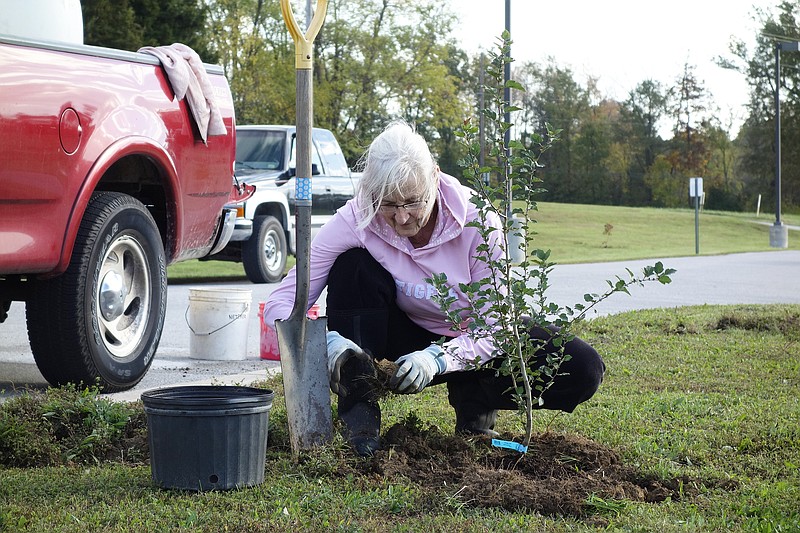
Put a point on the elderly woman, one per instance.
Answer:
(407, 222)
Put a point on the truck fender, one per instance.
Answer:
(116, 151)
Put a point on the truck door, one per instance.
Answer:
(339, 185)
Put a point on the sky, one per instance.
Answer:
(623, 42)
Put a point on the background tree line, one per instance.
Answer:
(380, 59)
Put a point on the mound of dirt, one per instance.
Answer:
(559, 475)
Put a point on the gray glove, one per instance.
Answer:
(340, 350)
(417, 369)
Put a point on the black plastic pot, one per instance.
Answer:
(207, 437)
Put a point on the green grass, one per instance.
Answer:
(577, 234)
(194, 271)
(709, 394)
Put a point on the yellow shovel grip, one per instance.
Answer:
(304, 44)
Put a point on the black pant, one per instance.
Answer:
(362, 307)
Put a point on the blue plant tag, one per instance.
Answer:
(303, 188)
(497, 443)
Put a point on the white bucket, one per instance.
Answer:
(217, 319)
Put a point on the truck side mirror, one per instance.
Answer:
(292, 172)
(285, 176)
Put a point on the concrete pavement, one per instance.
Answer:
(755, 278)
(172, 365)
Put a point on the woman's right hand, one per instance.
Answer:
(340, 350)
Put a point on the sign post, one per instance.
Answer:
(696, 192)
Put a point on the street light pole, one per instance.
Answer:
(482, 120)
(777, 134)
(779, 232)
(507, 75)
(507, 99)
(514, 227)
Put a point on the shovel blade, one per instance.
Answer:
(304, 365)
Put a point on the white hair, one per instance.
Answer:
(397, 160)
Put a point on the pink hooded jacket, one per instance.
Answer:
(452, 250)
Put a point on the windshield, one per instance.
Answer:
(260, 149)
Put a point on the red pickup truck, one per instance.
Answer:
(105, 179)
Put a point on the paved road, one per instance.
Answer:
(173, 363)
(766, 277)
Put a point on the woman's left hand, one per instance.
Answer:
(417, 369)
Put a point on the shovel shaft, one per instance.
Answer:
(303, 197)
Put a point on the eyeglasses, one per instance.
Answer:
(391, 209)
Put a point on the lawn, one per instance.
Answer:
(705, 400)
(594, 233)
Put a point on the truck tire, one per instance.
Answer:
(100, 322)
(264, 253)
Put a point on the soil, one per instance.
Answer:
(560, 475)
(379, 379)
(384, 372)
(564, 475)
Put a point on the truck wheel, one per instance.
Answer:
(100, 322)
(264, 253)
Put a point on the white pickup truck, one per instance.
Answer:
(264, 235)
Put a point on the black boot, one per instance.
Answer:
(359, 409)
(472, 420)
(473, 417)
(363, 426)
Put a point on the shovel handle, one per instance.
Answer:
(303, 194)
(304, 44)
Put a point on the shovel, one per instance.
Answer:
(302, 343)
